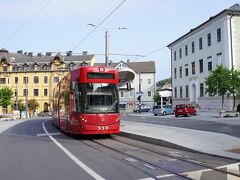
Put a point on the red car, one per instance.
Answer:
(185, 110)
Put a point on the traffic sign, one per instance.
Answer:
(139, 93)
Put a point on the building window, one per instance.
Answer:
(186, 50)
(209, 65)
(130, 94)
(193, 68)
(35, 79)
(200, 44)
(45, 79)
(121, 94)
(218, 34)
(45, 67)
(5, 68)
(35, 92)
(180, 53)
(45, 92)
(55, 79)
(149, 93)
(175, 73)
(149, 81)
(16, 80)
(25, 80)
(209, 39)
(35, 67)
(71, 66)
(201, 90)
(193, 47)
(175, 92)
(219, 59)
(200, 65)
(15, 68)
(180, 71)
(180, 91)
(25, 92)
(186, 87)
(2, 80)
(25, 67)
(186, 71)
(175, 55)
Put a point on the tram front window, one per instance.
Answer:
(101, 98)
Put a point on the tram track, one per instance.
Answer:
(188, 160)
(184, 175)
(142, 161)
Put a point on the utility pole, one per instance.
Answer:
(26, 97)
(16, 95)
(106, 48)
(106, 40)
(140, 95)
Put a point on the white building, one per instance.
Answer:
(143, 82)
(195, 54)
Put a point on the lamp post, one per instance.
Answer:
(107, 41)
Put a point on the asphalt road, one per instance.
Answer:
(198, 123)
(34, 149)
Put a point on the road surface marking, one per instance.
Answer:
(130, 159)
(71, 156)
(44, 134)
(148, 166)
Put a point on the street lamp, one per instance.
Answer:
(107, 40)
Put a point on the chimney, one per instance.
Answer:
(69, 53)
(30, 54)
(128, 61)
(20, 51)
(84, 53)
(39, 54)
(48, 53)
(25, 53)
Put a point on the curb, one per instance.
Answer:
(168, 144)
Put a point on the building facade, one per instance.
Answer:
(143, 85)
(195, 54)
(34, 77)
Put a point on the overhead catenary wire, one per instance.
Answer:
(97, 26)
(26, 23)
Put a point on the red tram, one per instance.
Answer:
(86, 101)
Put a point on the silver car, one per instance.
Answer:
(162, 110)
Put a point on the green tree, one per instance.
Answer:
(21, 106)
(157, 97)
(161, 83)
(33, 104)
(235, 85)
(218, 82)
(6, 95)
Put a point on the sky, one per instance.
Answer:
(60, 25)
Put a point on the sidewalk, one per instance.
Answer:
(202, 141)
(7, 123)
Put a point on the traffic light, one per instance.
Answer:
(139, 98)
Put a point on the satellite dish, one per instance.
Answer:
(124, 77)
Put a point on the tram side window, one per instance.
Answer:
(77, 99)
(77, 103)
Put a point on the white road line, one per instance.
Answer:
(71, 156)
(52, 134)
(166, 175)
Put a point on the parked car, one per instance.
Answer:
(162, 110)
(44, 114)
(185, 110)
(143, 108)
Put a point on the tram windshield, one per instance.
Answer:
(100, 98)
